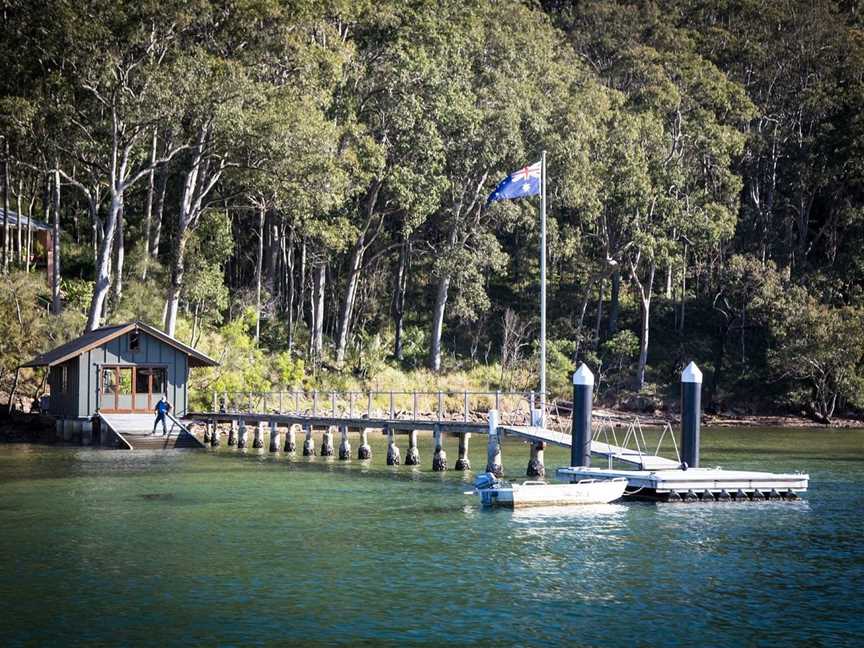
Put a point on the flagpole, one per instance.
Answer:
(543, 289)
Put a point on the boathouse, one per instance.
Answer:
(120, 369)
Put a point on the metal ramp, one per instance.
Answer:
(610, 451)
(135, 430)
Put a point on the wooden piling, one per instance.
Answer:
(344, 444)
(536, 466)
(412, 457)
(290, 440)
(87, 432)
(274, 434)
(232, 433)
(309, 442)
(365, 450)
(493, 450)
(439, 458)
(214, 436)
(258, 441)
(393, 457)
(463, 462)
(242, 439)
(207, 433)
(327, 442)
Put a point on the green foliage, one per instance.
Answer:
(821, 348)
(705, 157)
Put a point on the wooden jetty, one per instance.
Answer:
(649, 475)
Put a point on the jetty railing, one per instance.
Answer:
(466, 406)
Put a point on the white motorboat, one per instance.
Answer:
(494, 492)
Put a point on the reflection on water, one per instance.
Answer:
(220, 547)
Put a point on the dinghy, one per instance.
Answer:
(494, 492)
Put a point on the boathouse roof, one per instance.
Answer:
(97, 337)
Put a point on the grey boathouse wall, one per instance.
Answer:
(83, 374)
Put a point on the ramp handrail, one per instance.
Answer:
(104, 422)
(183, 428)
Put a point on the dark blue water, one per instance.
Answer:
(219, 548)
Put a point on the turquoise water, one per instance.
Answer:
(230, 548)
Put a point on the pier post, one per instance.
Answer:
(274, 435)
(207, 433)
(308, 442)
(493, 450)
(691, 414)
(214, 436)
(393, 457)
(242, 439)
(463, 462)
(439, 459)
(580, 440)
(290, 440)
(258, 441)
(232, 433)
(536, 465)
(327, 442)
(344, 444)
(412, 457)
(365, 450)
(87, 432)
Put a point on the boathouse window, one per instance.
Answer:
(64, 379)
(134, 341)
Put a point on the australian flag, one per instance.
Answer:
(521, 183)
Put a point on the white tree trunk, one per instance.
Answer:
(55, 244)
(318, 285)
(258, 268)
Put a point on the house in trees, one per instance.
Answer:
(120, 369)
(41, 238)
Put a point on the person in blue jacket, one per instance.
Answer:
(162, 408)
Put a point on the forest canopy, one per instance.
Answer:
(298, 188)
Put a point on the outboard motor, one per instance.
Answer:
(486, 480)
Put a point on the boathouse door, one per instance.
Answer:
(125, 389)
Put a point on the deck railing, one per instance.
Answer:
(514, 408)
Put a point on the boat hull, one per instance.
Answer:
(543, 494)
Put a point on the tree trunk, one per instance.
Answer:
(438, 322)
(103, 268)
(599, 317)
(178, 269)
(258, 268)
(614, 303)
(288, 263)
(121, 256)
(55, 243)
(29, 251)
(399, 300)
(148, 207)
(441, 305)
(301, 303)
(93, 207)
(348, 303)
(318, 286)
(161, 187)
(273, 259)
(19, 256)
(6, 233)
(645, 303)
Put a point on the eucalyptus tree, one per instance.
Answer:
(499, 73)
(389, 86)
